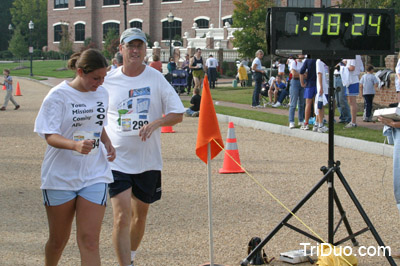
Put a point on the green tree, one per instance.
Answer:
(111, 44)
(250, 15)
(23, 11)
(65, 46)
(379, 4)
(18, 45)
(5, 20)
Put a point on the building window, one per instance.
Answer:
(110, 26)
(202, 23)
(326, 3)
(110, 2)
(58, 29)
(60, 3)
(300, 3)
(176, 29)
(230, 20)
(79, 32)
(80, 3)
(136, 24)
(136, 1)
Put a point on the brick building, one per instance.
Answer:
(94, 18)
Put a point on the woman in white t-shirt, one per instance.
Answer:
(75, 171)
(397, 78)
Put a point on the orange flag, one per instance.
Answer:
(208, 128)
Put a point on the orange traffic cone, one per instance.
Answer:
(18, 91)
(4, 87)
(229, 166)
(167, 129)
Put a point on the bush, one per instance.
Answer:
(52, 55)
(6, 54)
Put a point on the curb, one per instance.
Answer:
(351, 143)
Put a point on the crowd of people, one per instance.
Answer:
(306, 81)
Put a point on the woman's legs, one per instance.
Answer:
(60, 220)
(89, 217)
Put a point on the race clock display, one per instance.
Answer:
(330, 31)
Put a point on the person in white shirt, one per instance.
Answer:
(354, 66)
(296, 93)
(139, 97)
(322, 96)
(397, 78)
(258, 73)
(211, 66)
(75, 169)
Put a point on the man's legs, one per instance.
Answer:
(122, 211)
(138, 222)
(345, 115)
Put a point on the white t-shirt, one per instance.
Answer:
(296, 65)
(290, 62)
(321, 68)
(257, 62)
(211, 62)
(397, 81)
(74, 115)
(354, 76)
(281, 67)
(135, 101)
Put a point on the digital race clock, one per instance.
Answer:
(330, 32)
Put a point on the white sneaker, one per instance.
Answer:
(277, 104)
(305, 127)
(258, 106)
(350, 125)
(300, 124)
(315, 128)
(291, 125)
(323, 129)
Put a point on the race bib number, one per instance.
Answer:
(131, 123)
(90, 135)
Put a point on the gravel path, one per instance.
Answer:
(177, 231)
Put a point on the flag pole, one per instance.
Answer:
(210, 204)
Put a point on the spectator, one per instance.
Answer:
(341, 99)
(171, 65)
(113, 64)
(258, 73)
(277, 91)
(352, 84)
(322, 94)
(8, 82)
(397, 79)
(211, 65)
(281, 68)
(119, 59)
(368, 84)
(296, 93)
(156, 63)
(194, 108)
(308, 80)
(242, 73)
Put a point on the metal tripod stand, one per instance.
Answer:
(333, 167)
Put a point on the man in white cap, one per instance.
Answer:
(138, 97)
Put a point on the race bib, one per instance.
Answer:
(91, 135)
(131, 123)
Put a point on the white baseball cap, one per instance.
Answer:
(132, 34)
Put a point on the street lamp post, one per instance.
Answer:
(125, 18)
(170, 21)
(31, 26)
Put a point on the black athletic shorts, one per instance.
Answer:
(145, 186)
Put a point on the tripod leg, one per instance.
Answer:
(344, 217)
(364, 216)
(286, 219)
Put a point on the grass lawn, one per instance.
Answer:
(40, 69)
